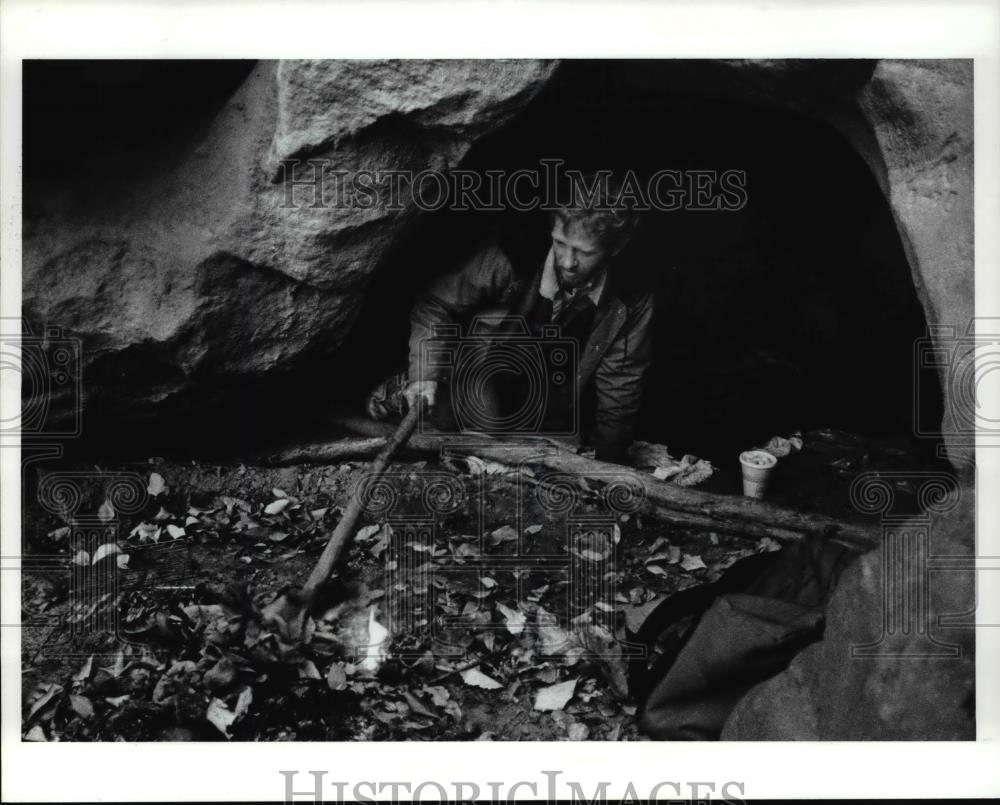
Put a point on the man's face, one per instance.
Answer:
(578, 256)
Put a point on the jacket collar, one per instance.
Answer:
(611, 315)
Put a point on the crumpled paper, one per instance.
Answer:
(779, 447)
(686, 471)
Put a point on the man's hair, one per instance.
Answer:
(593, 202)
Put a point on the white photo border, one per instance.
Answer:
(248, 29)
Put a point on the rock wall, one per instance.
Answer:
(920, 114)
(194, 267)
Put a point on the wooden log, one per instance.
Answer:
(327, 452)
(684, 506)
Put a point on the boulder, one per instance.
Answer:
(185, 266)
(885, 669)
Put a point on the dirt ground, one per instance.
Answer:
(456, 616)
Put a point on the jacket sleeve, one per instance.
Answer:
(619, 380)
(475, 284)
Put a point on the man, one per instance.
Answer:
(574, 287)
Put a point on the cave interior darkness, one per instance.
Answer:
(794, 313)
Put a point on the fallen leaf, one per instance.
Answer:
(36, 733)
(82, 706)
(147, 532)
(691, 563)
(476, 678)
(533, 529)
(308, 670)
(336, 677)
(466, 550)
(119, 666)
(478, 466)
(500, 535)
(636, 615)
(439, 695)
(81, 558)
(85, 670)
(766, 545)
(279, 493)
(277, 506)
(384, 535)
(367, 532)
(60, 533)
(157, 486)
(175, 531)
(657, 570)
(220, 716)
(488, 582)
(106, 512)
(515, 619)
(555, 640)
(107, 549)
(578, 732)
(221, 675)
(47, 695)
(374, 653)
(243, 702)
(418, 706)
(555, 697)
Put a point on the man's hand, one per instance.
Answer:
(427, 389)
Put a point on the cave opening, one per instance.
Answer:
(796, 312)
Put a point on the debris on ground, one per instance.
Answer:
(452, 618)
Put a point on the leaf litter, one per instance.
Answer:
(482, 650)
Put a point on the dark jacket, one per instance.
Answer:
(613, 361)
